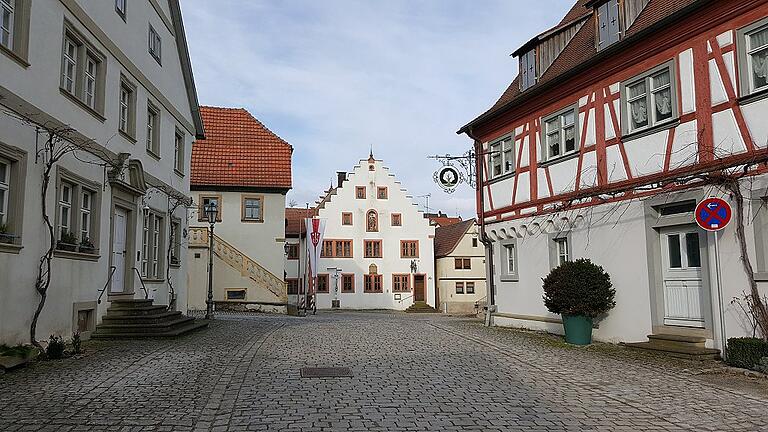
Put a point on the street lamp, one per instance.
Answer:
(211, 211)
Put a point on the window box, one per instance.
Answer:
(7, 238)
(67, 247)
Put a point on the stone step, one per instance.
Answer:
(421, 307)
(139, 319)
(130, 303)
(699, 341)
(156, 327)
(177, 331)
(680, 351)
(136, 311)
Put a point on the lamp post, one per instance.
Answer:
(211, 211)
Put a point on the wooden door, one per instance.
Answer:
(418, 288)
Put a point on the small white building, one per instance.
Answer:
(245, 169)
(378, 249)
(460, 268)
(113, 77)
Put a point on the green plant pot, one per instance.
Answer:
(578, 329)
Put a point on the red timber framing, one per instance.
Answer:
(598, 88)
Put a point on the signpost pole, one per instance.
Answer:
(720, 306)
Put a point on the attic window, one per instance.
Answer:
(528, 69)
(608, 24)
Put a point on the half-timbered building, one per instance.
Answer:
(622, 118)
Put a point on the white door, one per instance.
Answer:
(684, 276)
(118, 250)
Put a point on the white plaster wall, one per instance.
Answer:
(447, 275)
(38, 84)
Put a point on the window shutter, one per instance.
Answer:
(613, 21)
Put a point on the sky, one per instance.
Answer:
(335, 78)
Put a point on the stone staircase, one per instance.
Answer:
(139, 318)
(688, 347)
(198, 237)
(421, 307)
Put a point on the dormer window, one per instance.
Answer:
(528, 69)
(608, 24)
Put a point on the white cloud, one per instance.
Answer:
(335, 77)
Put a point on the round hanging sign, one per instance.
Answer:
(448, 177)
(713, 214)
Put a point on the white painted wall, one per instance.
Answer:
(447, 276)
(38, 85)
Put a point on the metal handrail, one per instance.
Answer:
(144, 287)
(109, 279)
(405, 298)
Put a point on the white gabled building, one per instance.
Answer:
(375, 236)
(114, 76)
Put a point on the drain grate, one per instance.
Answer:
(325, 372)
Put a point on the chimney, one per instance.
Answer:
(342, 178)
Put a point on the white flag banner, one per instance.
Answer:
(315, 233)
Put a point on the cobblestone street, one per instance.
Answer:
(410, 373)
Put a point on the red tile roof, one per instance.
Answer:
(581, 49)
(293, 220)
(445, 221)
(448, 237)
(239, 151)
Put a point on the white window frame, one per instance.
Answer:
(745, 52)
(650, 99)
(509, 255)
(6, 30)
(69, 74)
(503, 152)
(5, 187)
(179, 148)
(156, 230)
(559, 129)
(152, 130)
(90, 81)
(556, 242)
(65, 203)
(563, 250)
(86, 207)
(145, 245)
(260, 216)
(125, 106)
(120, 7)
(152, 244)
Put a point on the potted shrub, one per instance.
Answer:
(5, 235)
(86, 246)
(579, 291)
(67, 241)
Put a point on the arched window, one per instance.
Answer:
(372, 221)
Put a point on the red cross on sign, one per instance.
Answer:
(713, 214)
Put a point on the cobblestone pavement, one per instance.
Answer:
(411, 373)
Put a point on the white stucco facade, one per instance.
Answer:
(455, 295)
(372, 175)
(32, 86)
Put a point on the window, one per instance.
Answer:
(527, 70)
(14, 29)
(372, 248)
(470, 287)
(293, 285)
(502, 157)
(176, 236)
(347, 283)
(6, 23)
(381, 192)
(323, 283)
(372, 221)
(153, 131)
(152, 246)
(650, 100)
(155, 45)
(409, 248)
(127, 113)
(293, 251)
(474, 242)
(89, 90)
(236, 294)
(82, 77)
(336, 249)
(70, 65)
(253, 209)
(372, 283)
(684, 250)
(120, 8)
(401, 283)
(752, 43)
(462, 263)
(76, 214)
(360, 192)
(346, 218)
(608, 24)
(178, 152)
(562, 250)
(459, 287)
(508, 261)
(5, 186)
(206, 201)
(561, 133)
(397, 219)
